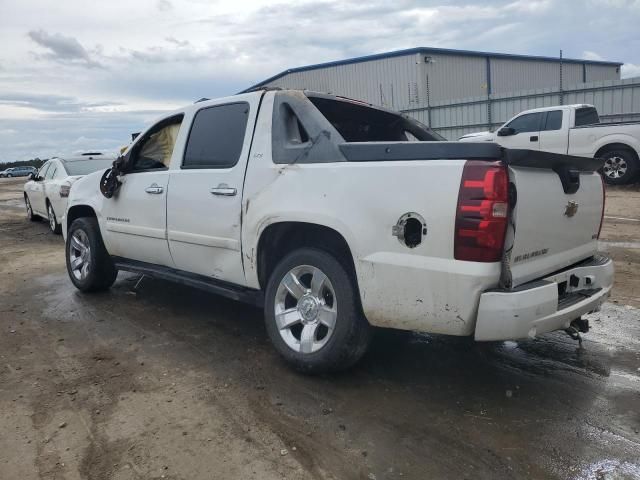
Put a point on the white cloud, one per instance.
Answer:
(630, 70)
(589, 55)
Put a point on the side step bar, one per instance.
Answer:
(202, 282)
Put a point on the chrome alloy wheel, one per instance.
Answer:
(306, 309)
(615, 167)
(52, 218)
(79, 254)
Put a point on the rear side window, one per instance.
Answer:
(526, 123)
(361, 123)
(586, 116)
(216, 137)
(553, 120)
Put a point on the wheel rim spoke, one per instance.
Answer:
(308, 338)
(76, 263)
(76, 243)
(288, 318)
(317, 282)
(293, 285)
(327, 317)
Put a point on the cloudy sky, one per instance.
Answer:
(82, 75)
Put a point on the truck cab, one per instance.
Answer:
(573, 130)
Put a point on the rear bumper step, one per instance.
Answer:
(545, 305)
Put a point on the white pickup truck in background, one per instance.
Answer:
(336, 216)
(574, 130)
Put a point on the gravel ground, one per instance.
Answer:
(159, 381)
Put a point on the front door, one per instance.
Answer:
(526, 132)
(36, 190)
(204, 204)
(135, 217)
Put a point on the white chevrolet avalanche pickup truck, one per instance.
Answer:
(336, 216)
(574, 130)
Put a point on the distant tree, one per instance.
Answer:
(34, 162)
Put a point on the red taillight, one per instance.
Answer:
(604, 196)
(483, 211)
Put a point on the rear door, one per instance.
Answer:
(527, 132)
(204, 205)
(554, 131)
(551, 229)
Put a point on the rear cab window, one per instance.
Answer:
(553, 121)
(586, 116)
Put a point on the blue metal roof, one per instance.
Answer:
(429, 50)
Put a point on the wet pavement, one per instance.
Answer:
(160, 381)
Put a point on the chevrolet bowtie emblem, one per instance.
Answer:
(571, 209)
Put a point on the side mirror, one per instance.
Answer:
(506, 131)
(32, 176)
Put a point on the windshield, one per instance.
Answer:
(362, 123)
(85, 167)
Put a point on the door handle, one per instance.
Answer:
(533, 138)
(224, 190)
(154, 189)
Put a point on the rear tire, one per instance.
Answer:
(55, 227)
(89, 265)
(323, 329)
(621, 166)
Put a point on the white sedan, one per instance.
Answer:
(45, 194)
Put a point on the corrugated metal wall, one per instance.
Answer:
(451, 92)
(451, 76)
(616, 101)
(390, 82)
(422, 79)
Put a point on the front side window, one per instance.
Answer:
(51, 172)
(553, 120)
(43, 170)
(217, 136)
(526, 123)
(155, 149)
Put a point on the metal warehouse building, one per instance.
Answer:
(420, 81)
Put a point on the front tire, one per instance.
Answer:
(620, 167)
(53, 221)
(89, 265)
(313, 314)
(30, 215)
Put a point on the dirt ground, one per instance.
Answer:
(159, 381)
